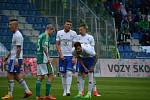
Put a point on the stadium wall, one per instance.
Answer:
(123, 68)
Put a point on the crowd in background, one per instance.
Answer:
(131, 17)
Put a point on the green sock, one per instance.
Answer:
(48, 87)
(38, 87)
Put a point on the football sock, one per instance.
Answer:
(38, 87)
(11, 87)
(48, 87)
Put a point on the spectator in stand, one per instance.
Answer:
(125, 28)
(146, 39)
(116, 5)
(123, 10)
(144, 24)
(118, 18)
(131, 24)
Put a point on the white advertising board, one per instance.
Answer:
(123, 67)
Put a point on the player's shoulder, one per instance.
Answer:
(60, 31)
(89, 35)
(42, 35)
(18, 34)
(73, 32)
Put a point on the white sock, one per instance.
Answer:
(90, 85)
(68, 80)
(24, 85)
(80, 84)
(83, 84)
(94, 85)
(11, 87)
(63, 77)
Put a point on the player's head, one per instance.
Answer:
(83, 29)
(50, 29)
(67, 25)
(78, 48)
(13, 25)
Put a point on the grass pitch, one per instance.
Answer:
(110, 89)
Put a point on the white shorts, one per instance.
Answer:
(42, 69)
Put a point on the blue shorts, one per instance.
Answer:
(88, 62)
(65, 64)
(14, 69)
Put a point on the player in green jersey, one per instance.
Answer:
(43, 62)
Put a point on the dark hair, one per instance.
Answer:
(76, 44)
(11, 20)
(83, 25)
(68, 20)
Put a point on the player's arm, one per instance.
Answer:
(59, 50)
(74, 58)
(58, 47)
(7, 56)
(18, 51)
(95, 59)
(89, 50)
(45, 49)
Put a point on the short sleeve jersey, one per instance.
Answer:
(66, 41)
(17, 40)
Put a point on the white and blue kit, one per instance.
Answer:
(17, 40)
(87, 55)
(66, 42)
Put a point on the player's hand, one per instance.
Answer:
(91, 69)
(49, 60)
(16, 62)
(62, 57)
(74, 60)
(5, 59)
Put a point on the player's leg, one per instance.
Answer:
(68, 81)
(95, 91)
(69, 69)
(89, 62)
(79, 70)
(10, 78)
(38, 86)
(23, 84)
(48, 82)
(62, 70)
(19, 78)
(41, 72)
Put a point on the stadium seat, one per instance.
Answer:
(4, 19)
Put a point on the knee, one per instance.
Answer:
(69, 73)
(40, 78)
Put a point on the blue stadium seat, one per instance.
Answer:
(127, 48)
(120, 48)
(136, 35)
(30, 20)
(141, 54)
(4, 19)
(37, 26)
(4, 25)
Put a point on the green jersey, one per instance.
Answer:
(42, 45)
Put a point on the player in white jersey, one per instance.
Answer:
(15, 61)
(86, 59)
(85, 38)
(64, 44)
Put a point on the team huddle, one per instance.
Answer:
(73, 50)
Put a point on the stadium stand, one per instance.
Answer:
(31, 21)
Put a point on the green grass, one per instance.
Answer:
(110, 88)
